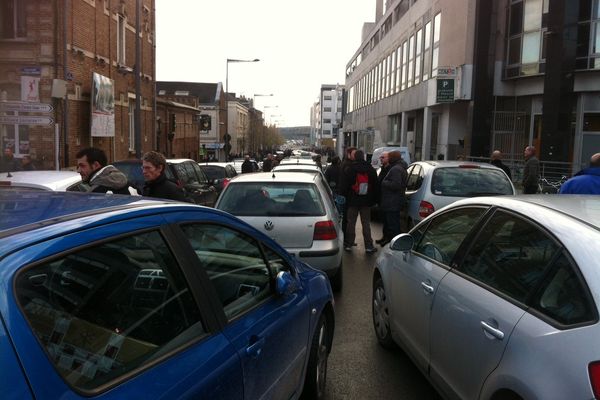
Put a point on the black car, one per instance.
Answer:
(219, 174)
(184, 172)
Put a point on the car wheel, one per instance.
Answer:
(336, 280)
(316, 372)
(381, 315)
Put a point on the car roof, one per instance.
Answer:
(178, 160)
(585, 208)
(446, 163)
(214, 164)
(49, 180)
(301, 177)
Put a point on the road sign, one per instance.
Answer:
(23, 106)
(25, 120)
(446, 71)
(445, 90)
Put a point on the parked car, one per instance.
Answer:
(432, 185)
(297, 168)
(294, 208)
(115, 296)
(42, 180)
(185, 172)
(219, 174)
(497, 297)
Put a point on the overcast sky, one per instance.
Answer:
(301, 44)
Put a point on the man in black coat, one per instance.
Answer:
(157, 184)
(497, 162)
(9, 163)
(393, 190)
(359, 202)
(247, 165)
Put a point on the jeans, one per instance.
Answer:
(365, 220)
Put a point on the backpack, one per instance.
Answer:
(361, 185)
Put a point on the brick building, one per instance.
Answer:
(49, 52)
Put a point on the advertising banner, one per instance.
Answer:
(103, 106)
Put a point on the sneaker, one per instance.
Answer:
(382, 244)
(347, 248)
(371, 249)
(379, 241)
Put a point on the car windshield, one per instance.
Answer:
(469, 182)
(213, 172)
(272, 199)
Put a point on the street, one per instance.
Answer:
(359, 368)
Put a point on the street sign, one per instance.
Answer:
(445, 90)
(23, 106)
(446, 71)
(31, 70)
(25, 120)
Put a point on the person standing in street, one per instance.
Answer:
(393, 200)
(497, 162)
(101, 178)
(531, 172)
(156, 182)
(586, 181)
(247, 165)
(9, 163)
(344, 171)
(26, 163)
(268, 163)
(332, 173)
(359, 186)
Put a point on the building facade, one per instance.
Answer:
(454, 78)
(74, 64)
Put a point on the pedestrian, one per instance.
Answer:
(332, 173)
(531, 172)
(26, 163)
(9, 163)
(344, 169)
(101, 178)
(384, 169)
(586, 181)
(156, 182)
(247, 165)
(496, 160)
(393, 197)
(268, 163)
(359, 186)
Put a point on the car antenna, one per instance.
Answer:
(273, 176)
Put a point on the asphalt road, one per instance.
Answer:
(359, 368)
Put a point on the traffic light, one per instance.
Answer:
(205, 122)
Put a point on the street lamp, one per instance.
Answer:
(254, 96)
(233, 60)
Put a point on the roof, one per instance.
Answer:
(301, 177)
(445, 163)
(48, 180)
(207, 93)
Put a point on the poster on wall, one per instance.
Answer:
(30, 89)
(103, 106)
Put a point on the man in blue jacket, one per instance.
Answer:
(586, 181)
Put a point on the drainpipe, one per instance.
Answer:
(66, 101)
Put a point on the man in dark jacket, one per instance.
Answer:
(9, 163)
(157, 184)
(247, 165)
(102, 178)
(359, 199)
(344, 170)
(587, 181)
(268, 163)
(393, 188)
(497, 162)
(332, 173)
(531, 172)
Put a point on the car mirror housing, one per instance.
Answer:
(285, 283)
(402, 242)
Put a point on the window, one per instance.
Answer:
(108, 309)
(404, 64)
(525, 55)
(326, 97)
(427, 51)
(131, 125)
(121, 44)
(510, 255)
(13, 19)
(327, 121)
(415, 178)
(234, 264)
(436, 44)
(588, 35)
(326, 109)
(468, 182)
(418, 51)
(446, 232)
(411, 64)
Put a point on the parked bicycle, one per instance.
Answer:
(547, 186)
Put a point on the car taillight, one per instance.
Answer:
(594, 370)
(324, 230)
(225, 182)
(425, 209)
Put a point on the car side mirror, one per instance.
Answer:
(285, 283)
(402, 242)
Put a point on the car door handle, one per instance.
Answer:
(497, 333)
(255, 347)
(427, 288)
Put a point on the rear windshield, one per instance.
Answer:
(468, 182)
(213, 172)
(272, 199)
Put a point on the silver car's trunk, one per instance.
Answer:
(289, 232)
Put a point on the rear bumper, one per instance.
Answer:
(326, 259)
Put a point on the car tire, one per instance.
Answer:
(381, 315)
(336, 280)
(316, 370)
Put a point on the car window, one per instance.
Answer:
(276, 261)
(183, 175)
(214, 172)
(445, 233)
(466, 182)
(272, 198)
(230, 171)
(510, 255)
(103, 311)
(563, 297)
(415, 178)
(234, 264)
(191, 173)
(197, 172)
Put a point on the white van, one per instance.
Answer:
(376, 162)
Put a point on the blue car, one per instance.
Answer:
(124, 297)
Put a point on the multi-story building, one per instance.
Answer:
(238, 123)
(315, 122)
(326, 116)
(75, 64)
(449, 78)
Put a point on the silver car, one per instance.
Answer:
(296, 209)
(432, 185)
(497, 297)
(42, 180)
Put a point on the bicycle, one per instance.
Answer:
(547, 186)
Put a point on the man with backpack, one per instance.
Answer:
(359, 185)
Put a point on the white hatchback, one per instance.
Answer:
(42, 180)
